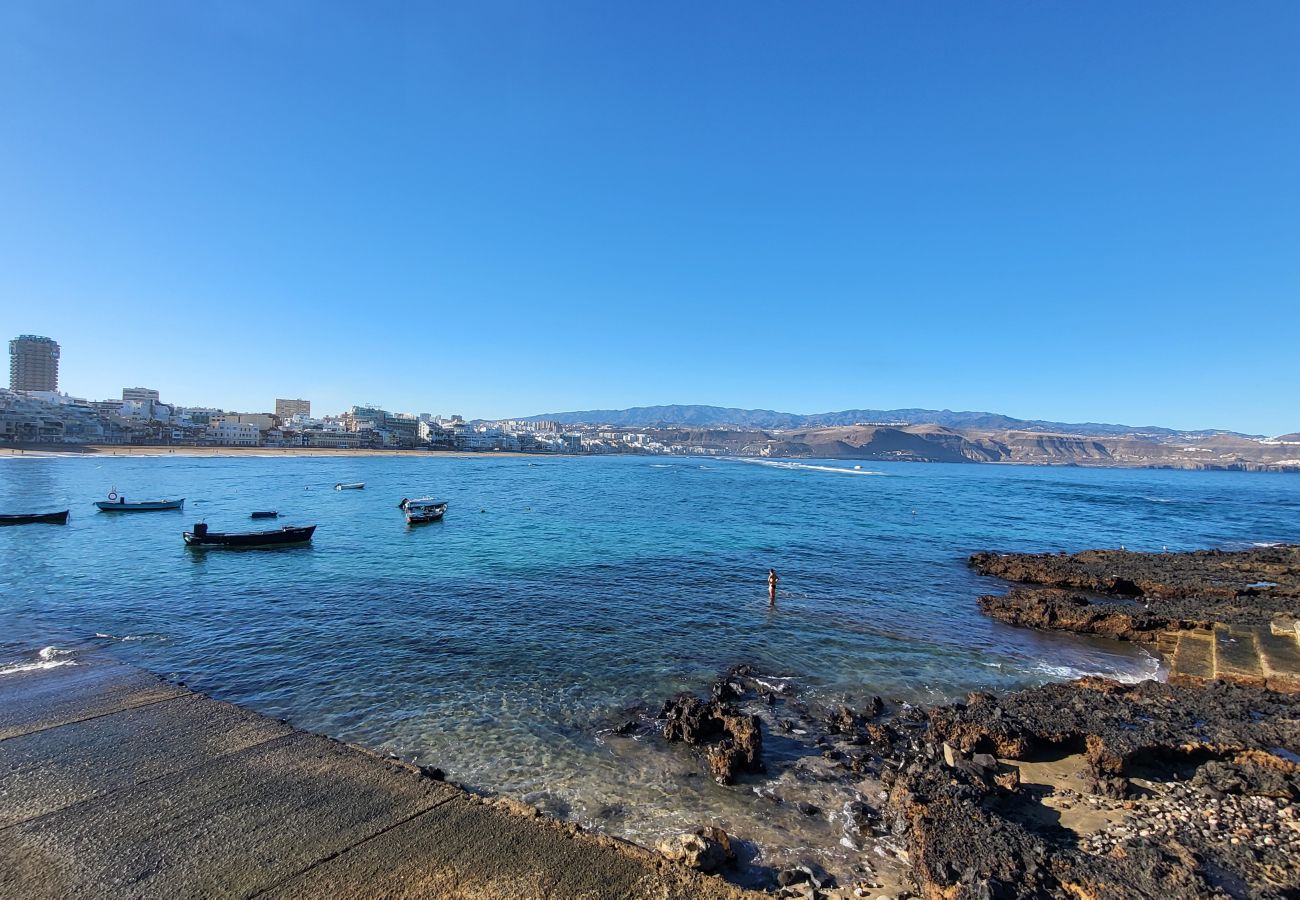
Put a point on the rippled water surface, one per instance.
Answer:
(558, 594)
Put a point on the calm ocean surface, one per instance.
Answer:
(502, 643)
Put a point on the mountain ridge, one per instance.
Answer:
(697, 416)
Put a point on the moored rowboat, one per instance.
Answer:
(120, 505)
(279, 537)
(54, 518)
(354, 486)
(423, 509)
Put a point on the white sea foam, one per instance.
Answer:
(808, 467)
(775, 686)
(1151, 668)
(48, 658)
(41, 456)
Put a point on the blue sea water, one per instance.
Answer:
(560, 593)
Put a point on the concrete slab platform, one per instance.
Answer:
(1193, 659)
(238, 824)
(56, 767)
(1280, 656)
(1236, 657)
(116, 784)
(440, 854)
(34, 701)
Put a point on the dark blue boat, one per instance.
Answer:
(54, 518)
(280, 537)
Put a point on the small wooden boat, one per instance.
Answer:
(423, 509)
(354, 486)
(54, 518)
(121, 505)
(264, 514)
(279, 537)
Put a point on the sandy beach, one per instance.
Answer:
(262, 452)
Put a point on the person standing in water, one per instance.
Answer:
(772, 579)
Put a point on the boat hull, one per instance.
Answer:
(287, 536)
(54, 518)
(265, 514)
(422, 510)
(147, 506)
(360, 485)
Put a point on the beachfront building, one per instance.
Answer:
(229, 433)
(332, 438)
(287, 409)
(33, 363)
(260, 421)
(383, 429)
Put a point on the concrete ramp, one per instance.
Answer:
(115, 783)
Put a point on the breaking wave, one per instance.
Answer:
(810, 467)
(1150, 670)
(48, 658)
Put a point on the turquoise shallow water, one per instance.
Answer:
(559, 593)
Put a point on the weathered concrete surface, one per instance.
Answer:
(34, 701)
(114, 783)
(164, 738)
(470, 848)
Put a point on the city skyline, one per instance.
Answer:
(1068, 213)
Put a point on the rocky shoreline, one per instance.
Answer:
(1087, 789)
(1138, 596)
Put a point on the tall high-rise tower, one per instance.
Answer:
(33, 363)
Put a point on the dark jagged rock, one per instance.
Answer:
(1053, 608)
(1141, 594)
(732, 741)
(843, 720)
(1117, 725)
(968, 837)
(1253, 773)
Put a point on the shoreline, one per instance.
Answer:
(1088, 782)
(116, 776)
(100, 451)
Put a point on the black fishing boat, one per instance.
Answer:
(280, 537)
(264, 514)
(54, 518)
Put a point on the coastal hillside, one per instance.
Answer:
(937, 443)
(696, 416)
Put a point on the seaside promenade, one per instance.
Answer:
(114, 783)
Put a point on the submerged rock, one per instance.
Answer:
(732, 741)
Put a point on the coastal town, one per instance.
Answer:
(33, 412)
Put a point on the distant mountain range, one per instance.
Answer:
(719, 417)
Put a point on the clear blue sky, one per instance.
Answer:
(1075, 211)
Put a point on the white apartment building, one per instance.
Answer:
(233, 434)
